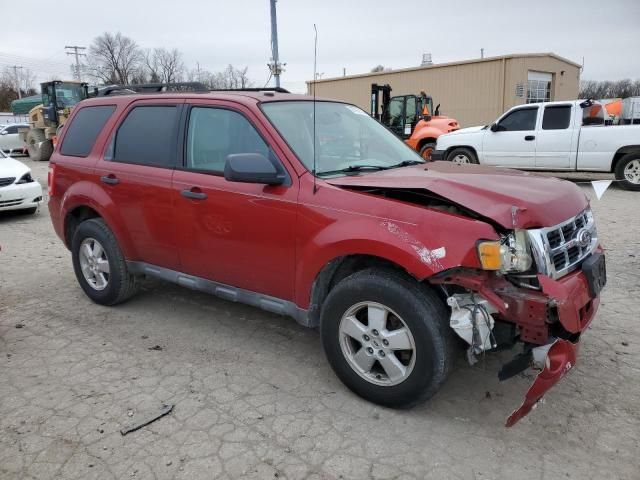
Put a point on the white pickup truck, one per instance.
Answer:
(569, 136)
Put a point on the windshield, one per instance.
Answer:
(68, 94)
(347, 139)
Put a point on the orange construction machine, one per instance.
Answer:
(411, 117)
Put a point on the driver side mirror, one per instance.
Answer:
(253, 168)
(495, 127)
(4, 132)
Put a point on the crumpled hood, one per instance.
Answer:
(512, 198)
(10, 167)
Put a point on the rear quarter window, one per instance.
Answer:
(83, 131)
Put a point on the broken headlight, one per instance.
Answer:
(511, 253)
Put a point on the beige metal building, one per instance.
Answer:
(474, 92)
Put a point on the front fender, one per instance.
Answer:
(436, 242)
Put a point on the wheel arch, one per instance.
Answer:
(340, 268)
(621, 152)
(468, 147)
(77, 206)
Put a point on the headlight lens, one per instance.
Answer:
(510, 254)
(26, 178)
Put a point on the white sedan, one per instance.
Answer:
(10, 141)
(18, 189)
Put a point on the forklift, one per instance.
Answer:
(411, 117)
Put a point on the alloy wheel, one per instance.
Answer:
(377, 343)
(461, 159)
(94, 263)
(632, 172)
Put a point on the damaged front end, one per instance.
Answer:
(544, 302)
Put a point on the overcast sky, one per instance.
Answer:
(352, 34)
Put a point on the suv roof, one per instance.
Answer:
(248, 96)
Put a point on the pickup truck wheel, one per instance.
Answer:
(99, 264)
(462, 156)
(387, 337)
(628, 171)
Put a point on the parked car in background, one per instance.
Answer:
(10, 141)
(563, 136)
(390, 256)
(18, 189)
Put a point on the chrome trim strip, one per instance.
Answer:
(226, 292)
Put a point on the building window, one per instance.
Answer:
(539, 87)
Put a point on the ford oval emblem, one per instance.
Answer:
(583, 237)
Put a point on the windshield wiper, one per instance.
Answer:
(354, 168)
(406, 163)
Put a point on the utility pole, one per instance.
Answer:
(15, 74)
(76, 52)
(482, 53)
(275, 66)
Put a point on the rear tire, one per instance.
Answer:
(426, 352)
(627, 171)
(462, 156)
(426, 150)
(100, 267)
(39, 148)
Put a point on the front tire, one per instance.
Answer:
(628, 171)
(99, 264)
(387, 337)
(426, 150)
(38, 146)
(462, 156)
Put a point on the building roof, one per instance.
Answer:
(450, 64)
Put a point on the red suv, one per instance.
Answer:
(313, 209)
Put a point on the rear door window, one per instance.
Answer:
(147, 136)
(556, 117)
(84, 130)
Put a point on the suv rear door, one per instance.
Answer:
(135, 172)
(238, 234)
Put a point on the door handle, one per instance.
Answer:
(528, 138)
(109, 179)
(194, 194)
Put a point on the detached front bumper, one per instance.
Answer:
(549, 320)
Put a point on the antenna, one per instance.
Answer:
(315, 56)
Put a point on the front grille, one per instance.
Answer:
(11, 203)
(558, 250)
(7, 181)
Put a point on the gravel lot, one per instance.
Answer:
(254, 397)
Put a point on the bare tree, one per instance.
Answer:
(609, 89)
(230, 78)
(170, 64)
(10, 81)
(114, 58)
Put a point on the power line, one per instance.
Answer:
(76, 53)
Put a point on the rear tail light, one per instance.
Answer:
(51, 179)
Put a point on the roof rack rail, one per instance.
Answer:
(150, 88)
(251, 89)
